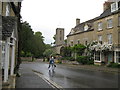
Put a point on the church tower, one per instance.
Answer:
(59, 37)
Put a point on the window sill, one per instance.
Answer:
(109, 28)
(100, 30)
(97, 61)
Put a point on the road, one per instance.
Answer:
(70, 77)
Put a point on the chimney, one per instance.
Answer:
(106, 5)
(77, 21)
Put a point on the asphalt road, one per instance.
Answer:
(70, 77)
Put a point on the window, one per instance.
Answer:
(119, 21)
(78, 41)
(86, 42)
(86, 27)
(7, 10)
(109, 38)
(71, 43)
(109, 23)
(60, 32)
(100, 39)
(114, 6)
(99, 26)
(97, 56)
(118, 56)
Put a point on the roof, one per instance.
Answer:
(80, 28)
(8, 25)
(107, 13)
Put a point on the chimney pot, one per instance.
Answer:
(77, 21)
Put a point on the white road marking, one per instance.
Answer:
(50, 82)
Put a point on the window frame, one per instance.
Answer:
(97, 56)
(100, 39)
(114, 6)
(100, 26)
(109, 23)
(118, 56)
(110, 41)
(7, 12)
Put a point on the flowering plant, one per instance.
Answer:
(101, 47)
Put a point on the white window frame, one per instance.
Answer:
(7, 10)
(97, 56)
(109, 36)
(109, 23)
(114, 7)
(100, 38)
(86, 27)
(99, 26)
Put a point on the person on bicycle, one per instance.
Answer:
(51, 63)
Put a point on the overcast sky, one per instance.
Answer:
(47, 15)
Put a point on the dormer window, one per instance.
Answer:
(99, 26)
(86, 27)
(114, 6)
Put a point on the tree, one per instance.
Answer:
(32, 44)
(47, 53)
(39, 45)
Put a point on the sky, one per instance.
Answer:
(47, 15)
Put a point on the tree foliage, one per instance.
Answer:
(32, 44)
(78, 48)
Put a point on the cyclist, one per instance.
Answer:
(51, 64)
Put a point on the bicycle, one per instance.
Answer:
(52, 67)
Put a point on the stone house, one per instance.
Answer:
(10, 23)
(104, 30)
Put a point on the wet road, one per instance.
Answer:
(70, 77)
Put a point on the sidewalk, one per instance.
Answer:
(94, 67)
(29, 79)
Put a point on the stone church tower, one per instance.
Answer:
(59, 37)
(59, 40)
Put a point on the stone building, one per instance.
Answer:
(104, 30)
(59, 40)
(10, 23)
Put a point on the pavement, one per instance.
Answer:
(29, 79)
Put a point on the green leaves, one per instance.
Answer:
(78, 48)
(31, 44)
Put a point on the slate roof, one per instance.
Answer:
(80, 27)
(8, 25)
(107, 13)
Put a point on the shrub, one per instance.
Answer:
(85, 60)
(68, 58)
(114, 65)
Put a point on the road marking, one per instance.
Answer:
(50, 82)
